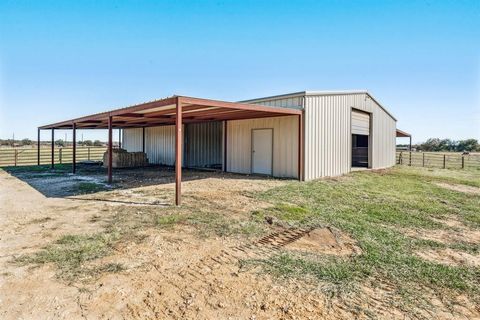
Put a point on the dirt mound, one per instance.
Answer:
(326, 241)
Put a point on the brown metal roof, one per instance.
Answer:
(162, 112)
(402, 134)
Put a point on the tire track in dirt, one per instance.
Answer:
(201, 278)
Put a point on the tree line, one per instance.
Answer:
(447, 145)
(58, 143)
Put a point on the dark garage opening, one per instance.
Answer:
(360, 150)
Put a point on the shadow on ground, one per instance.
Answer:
(91, 179)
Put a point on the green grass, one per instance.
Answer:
(88, 187)
(70, 254)
(43, 169)
(212, 224)
(373, 208)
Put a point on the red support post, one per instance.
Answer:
(53, 149)
(110, 147)
(38, 146)
(178, 152)
(74, 148)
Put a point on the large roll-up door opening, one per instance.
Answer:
(360, 139)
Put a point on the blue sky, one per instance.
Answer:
(63, 59)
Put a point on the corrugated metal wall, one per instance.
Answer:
(132, 139)
(203, 144)
(160, 145)
(328, 134)
(202, 147)
(286, 102)
(285, 144)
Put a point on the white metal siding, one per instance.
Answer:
(293, 102)
(384, 139)
(132, 139)
(285, 144)
(160, 145)
(360, 123)
(328, 134)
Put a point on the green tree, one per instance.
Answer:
(97, 143)
(60, 143)
(468, 145)
(88, 143)
(432, 144)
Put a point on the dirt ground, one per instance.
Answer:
(172, 273)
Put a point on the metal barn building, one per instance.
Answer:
(303, 135)
(340, 130)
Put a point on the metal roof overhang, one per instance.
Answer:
(402, 134)
(163, 112)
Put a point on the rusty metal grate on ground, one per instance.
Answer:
(284, 237)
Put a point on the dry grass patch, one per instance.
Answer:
(450, 257)
(459, 188)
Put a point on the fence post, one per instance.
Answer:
(60, 155)
(423, 159)
(444, 161)
(410, 162)
(88, 149)
(463, 161)
(15, 157)
(400, 158)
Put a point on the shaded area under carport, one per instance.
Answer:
(176, 110)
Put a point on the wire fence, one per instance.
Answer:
(29, 156)
(64, 155)
(439, 160)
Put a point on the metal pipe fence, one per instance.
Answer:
(62, 155)
(438, 160)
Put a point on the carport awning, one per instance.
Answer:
(163, 112)
(176, 110)
(403, 134)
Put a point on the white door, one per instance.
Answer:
(262, 148)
